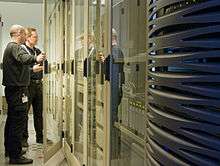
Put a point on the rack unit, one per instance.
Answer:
(183, 83)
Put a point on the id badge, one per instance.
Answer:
(24, 98)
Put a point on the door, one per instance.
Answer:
(53, 78)
(85, 121)
(127, 81)
(98, 45)
(69, 85)
(79, 88)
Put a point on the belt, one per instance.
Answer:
(36, 81)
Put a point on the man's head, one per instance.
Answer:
(17, 33)
(31, 36)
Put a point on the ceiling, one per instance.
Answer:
(23, 1)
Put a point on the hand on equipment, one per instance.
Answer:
(37, 68)
(41, 57)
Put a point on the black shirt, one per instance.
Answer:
(16, 63)
(38, 75)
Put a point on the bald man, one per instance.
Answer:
(16, 79)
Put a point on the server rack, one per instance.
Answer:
(183, 83)
(129, 123)
(53, 77)
(82, 105)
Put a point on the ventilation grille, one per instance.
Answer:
(183, 83)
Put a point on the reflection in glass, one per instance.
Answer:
(50, 7)
(79, 58)
(127, 79)
(68, 80)
(116, 80)
(95, 83)
(52, 79)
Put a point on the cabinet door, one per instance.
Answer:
(127, 81)
(80, 93)
(98, 45)
(53, 78)
(69, 77)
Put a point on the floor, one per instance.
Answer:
(34, 151)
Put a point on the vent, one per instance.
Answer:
(183, 83)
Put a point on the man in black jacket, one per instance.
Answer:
(16, 79)
(35, 87)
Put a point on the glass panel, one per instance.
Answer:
(68, 73)
(127, 78)
(97, 16)
(50, 8)
(53, 80)
(79, 59)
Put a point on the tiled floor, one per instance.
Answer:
(34, 151)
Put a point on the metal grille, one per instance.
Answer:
(183, 83)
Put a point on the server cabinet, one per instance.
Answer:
(85, 38)
(101, 64)
(69, 81)
(98, 45)
(80, 103)
(76, 83)
(68, 73)
(53, 78)
(183, 89)
(127, 80)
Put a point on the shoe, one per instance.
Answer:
(6, 154)
(39, 141)
(22, 153)
(20, 160)
(24, 144)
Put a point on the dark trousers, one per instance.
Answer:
(16, 119)
(36, 100)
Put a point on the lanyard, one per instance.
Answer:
(26, 49)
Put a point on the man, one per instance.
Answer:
(16, 79)
(114, 66)
(35, 87)
(117, 72)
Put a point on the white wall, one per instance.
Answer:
(25, 14)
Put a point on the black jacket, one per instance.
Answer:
(16, 63)
(34, 51)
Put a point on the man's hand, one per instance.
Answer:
(37, 68)
(41, 57)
